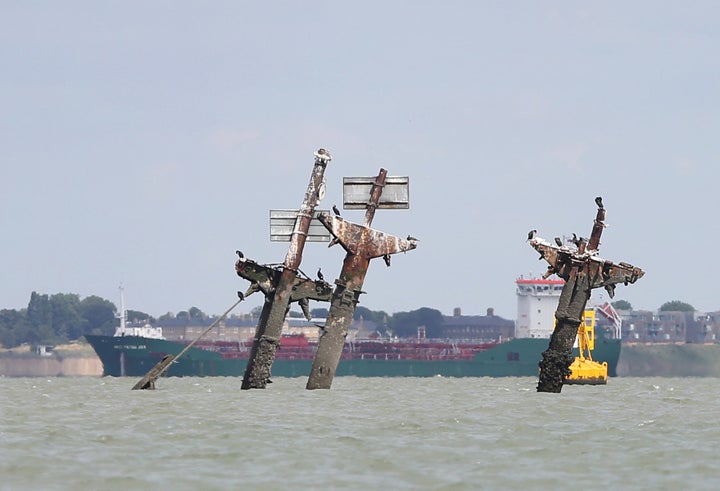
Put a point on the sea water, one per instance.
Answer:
(365, 433)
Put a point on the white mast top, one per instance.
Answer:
(123, 312)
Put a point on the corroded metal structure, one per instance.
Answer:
(148, 381)
(362, 244)
(281, 285)
(580, 265)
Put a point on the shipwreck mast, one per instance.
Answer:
(582, 268)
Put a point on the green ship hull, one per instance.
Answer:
(134, 356)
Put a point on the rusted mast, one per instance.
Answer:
(267, 335)
(362, 244)
(582, 269)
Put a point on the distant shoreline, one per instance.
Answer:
(636, 360)
(669, 360)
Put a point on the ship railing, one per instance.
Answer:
(407, 356)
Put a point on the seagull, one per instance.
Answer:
(386, 258)
(531, 234)
(240, 254)
(320, 275)
(336, 211)
(558, 241)
(409, 237)
(598, 202)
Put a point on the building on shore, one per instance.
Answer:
(536, 319)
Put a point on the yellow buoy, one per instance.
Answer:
(585, 371)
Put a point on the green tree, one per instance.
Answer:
(14, 328)
(405, 324)
(138, 316)
(319, 312)
(166, 316)
(676, 306)
(99, 315)
(377, 316)
(621, 305)
(67, 323)
(40, 319)
(196, 313)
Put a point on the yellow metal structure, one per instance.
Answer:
(585, 371)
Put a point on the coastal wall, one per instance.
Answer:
(50, 366)
(669, 360)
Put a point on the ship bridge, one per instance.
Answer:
(537, 301)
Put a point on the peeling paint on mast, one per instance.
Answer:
(269, 330)
(362, 244)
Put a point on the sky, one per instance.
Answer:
(142, 143)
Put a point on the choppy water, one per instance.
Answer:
(365, 433)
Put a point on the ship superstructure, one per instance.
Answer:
(537, 300)
(145, 331)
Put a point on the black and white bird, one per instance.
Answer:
(240, 254)
(531, 234)
(410, 237)
(598, 202)
(320, 275)
(336, 211)
(575, 239)
(322, 153)
(558, 241)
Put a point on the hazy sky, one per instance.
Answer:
(142, 143)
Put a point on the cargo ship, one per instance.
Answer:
(133, 351)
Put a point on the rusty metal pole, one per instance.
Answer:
(267, 335)
(582, 269)
(362, 244)
(342, 307)
(375, 194)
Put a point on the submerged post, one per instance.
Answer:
(362, 244)
(148, 381)
(583, 270)
(279, 295)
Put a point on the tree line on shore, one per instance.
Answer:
(63, 317)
